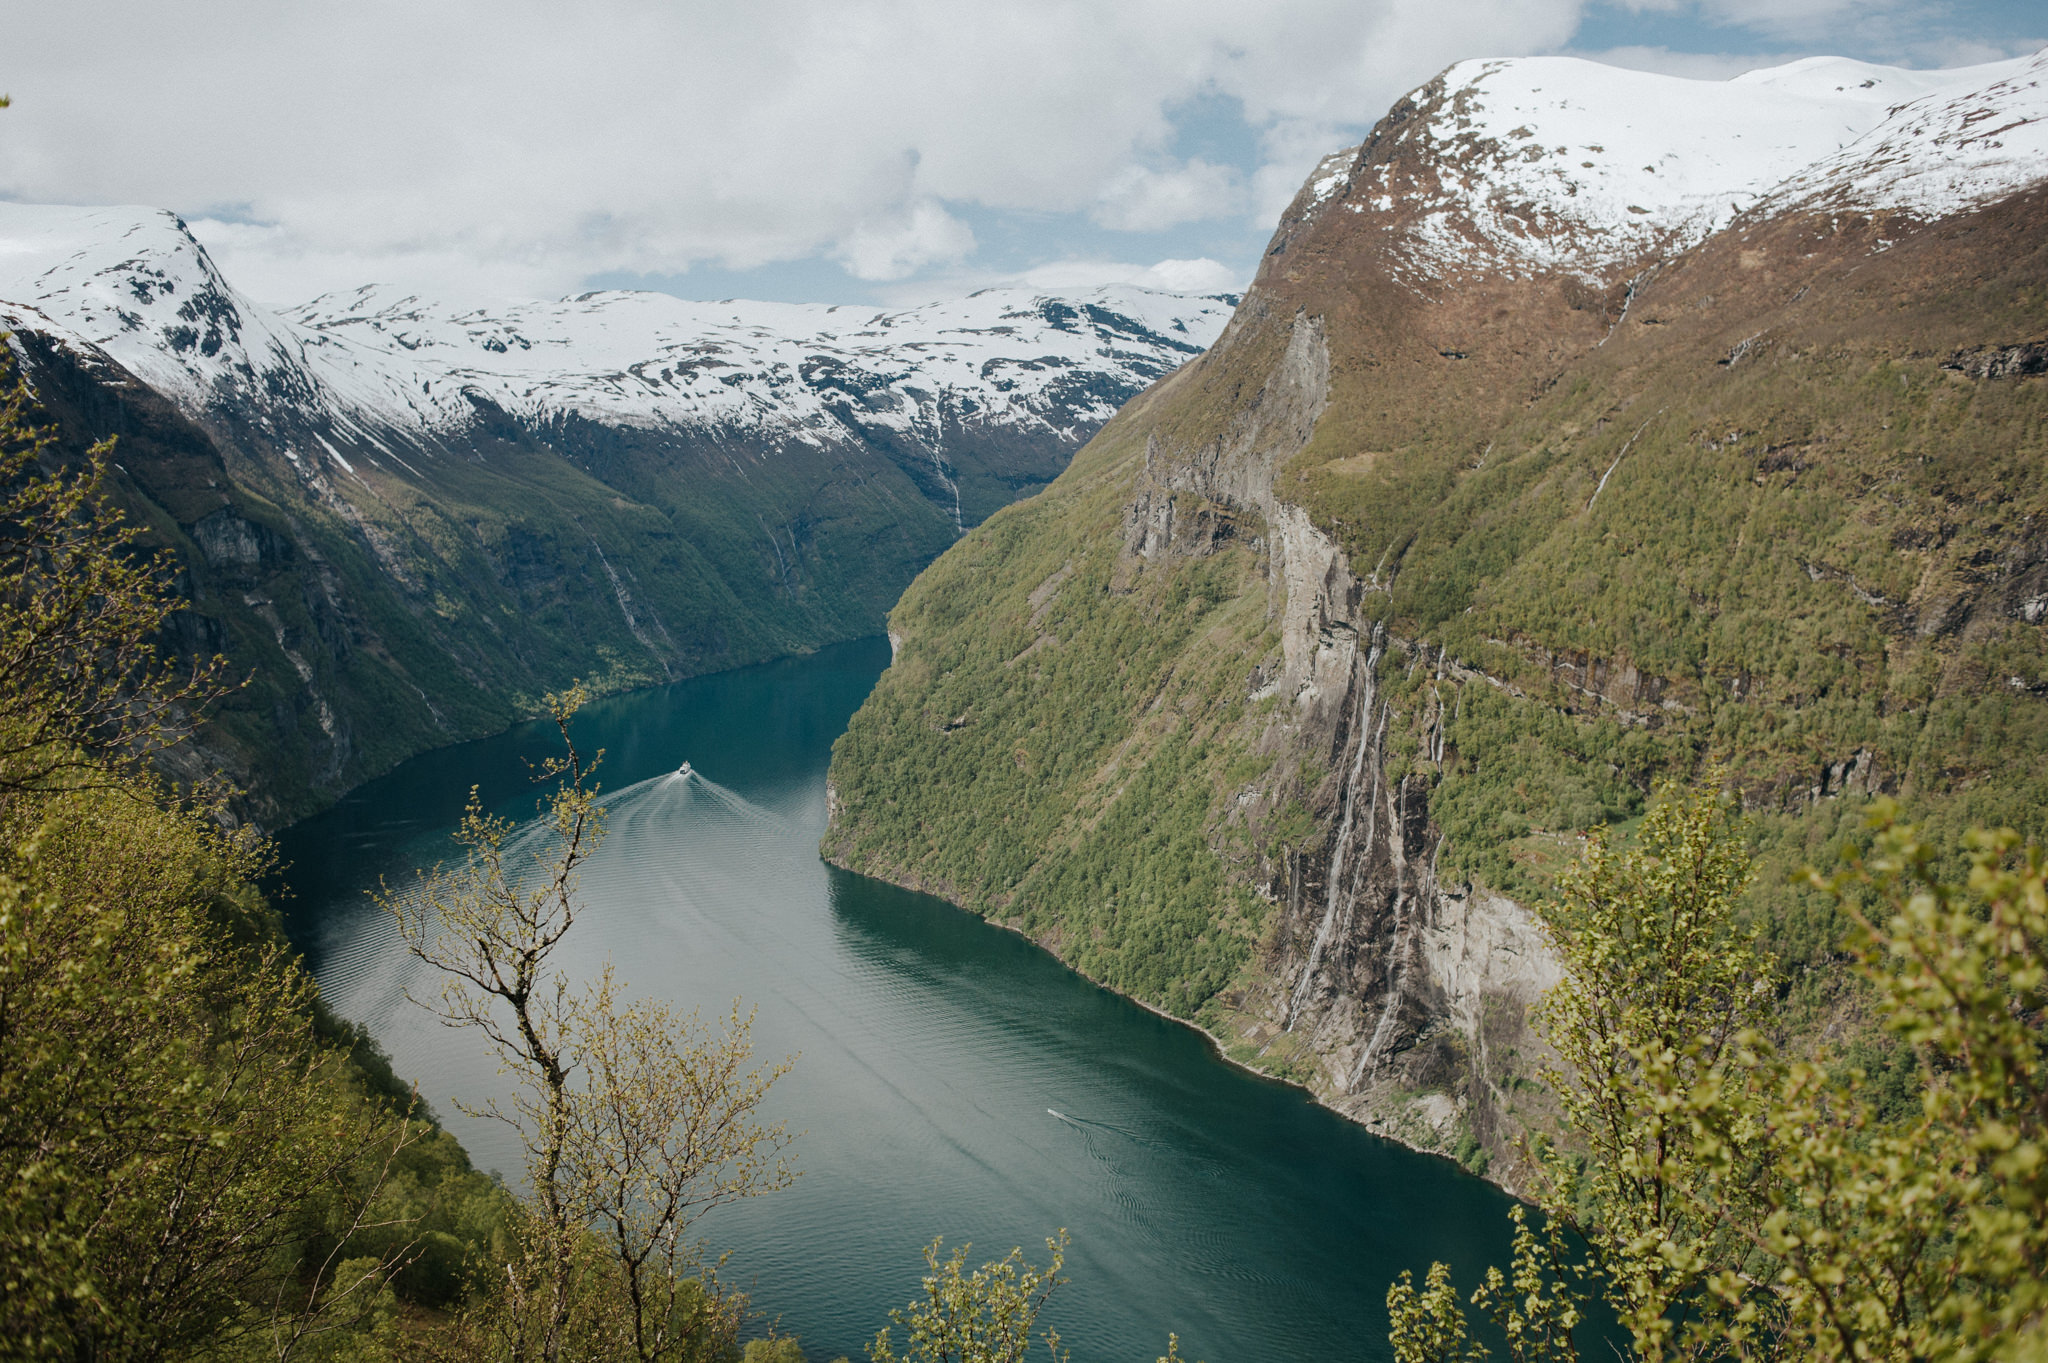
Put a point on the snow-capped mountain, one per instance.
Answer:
(1033, 361)
(376, 365)
(1579, 424)
(1554, 163)
(413, 515)
(409, 517)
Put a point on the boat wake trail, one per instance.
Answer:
(1085, 1124)
(675, 842)
(686, 792)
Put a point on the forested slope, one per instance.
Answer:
(1487, 513)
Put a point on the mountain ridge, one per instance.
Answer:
(406, 536)
(1349, 628)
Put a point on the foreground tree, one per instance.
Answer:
(85, 695)
(182, 1157)
(981, 1315)
(189, 1165)
(1740, 1205)
(635, 1120)
(1929, 1241)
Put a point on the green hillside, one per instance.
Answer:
(1783, 520)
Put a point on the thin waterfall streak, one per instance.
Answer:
(1619, 457)
(1336, 872)
(1372, 811)
(1397, 976)
(1334, 893)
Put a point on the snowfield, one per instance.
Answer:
(133, 282)
(1555, 163)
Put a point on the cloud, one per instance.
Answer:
(1201, 275)
(1692, 65)
(540, 143)
(524, 146)
(925, 235)
(1140, 199)
(1909, 32)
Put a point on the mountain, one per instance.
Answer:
(404, 520)
(1583, 429)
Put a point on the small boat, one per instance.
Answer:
(683, 770)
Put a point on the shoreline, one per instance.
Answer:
(1215, 1043)
(539, 716)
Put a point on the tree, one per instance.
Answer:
(1929, 1241)
(635, 1120)
(985, 1315)
(1658, 993)
(1741, 1204)
(186, 1163)
(84, 693)
(182, 1157)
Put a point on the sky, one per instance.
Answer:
(835, 151)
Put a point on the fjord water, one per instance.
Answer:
(934, 1051)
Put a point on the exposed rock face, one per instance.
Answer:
(1396, 984)
(1566, 442)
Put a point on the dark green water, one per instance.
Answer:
(1201, 1199)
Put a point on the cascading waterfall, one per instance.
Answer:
(1335, 896)
(1399, 950)
(939, 466)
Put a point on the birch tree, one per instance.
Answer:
(634, 1120)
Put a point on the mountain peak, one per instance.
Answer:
(1544, 164)
(134, 283)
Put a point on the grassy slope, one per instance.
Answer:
(1817, 549)
(1047, 746)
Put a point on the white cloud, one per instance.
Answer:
(522, 146)
(530, 144)
(905, 244)
(1795, 17)
(1201, 275)
(1140, 199)
(1906, 32)
(1692, 65)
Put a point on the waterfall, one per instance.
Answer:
(1397, 976)
(1363, 728)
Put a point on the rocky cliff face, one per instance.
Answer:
(1583, 429)
(1404, 1001)
(405, 520)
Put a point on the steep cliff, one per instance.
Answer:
(403, 520)
(1583, 428)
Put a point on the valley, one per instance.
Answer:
(771, 685)
(404, 521)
